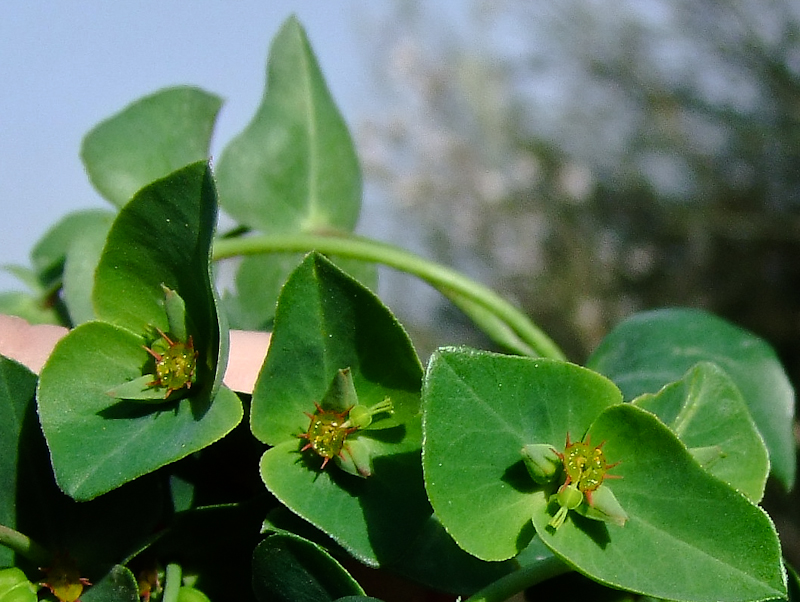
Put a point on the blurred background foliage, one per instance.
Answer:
(593, 158)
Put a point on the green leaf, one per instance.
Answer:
(435, 560)
(652, 349)
(375, 518)
(15, 587)
(480, 409)
(260, 278)
(689, 536)
(51, 250)
(294, 167)
(325, 322)
(98, 442)
(706, 411)
(118, 585)
(149, 139)
(17, 389)
(27, 307)
(216, 543)
(80, 262)
(163, 238)
(287, 568)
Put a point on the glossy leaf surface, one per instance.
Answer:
(652, 349)
(480, 409)
(118, 584)
(326, 322)
(287, 568)
(374, 519)
(17, 389)
(90, 533)
(294, 167)
(149, 139)
(161, 238)
(98, 442)
(701, 540)
(707, 412)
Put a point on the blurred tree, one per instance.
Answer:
(594, 158)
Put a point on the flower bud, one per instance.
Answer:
(605, 507)
(542, 461)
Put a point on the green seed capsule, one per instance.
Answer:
(568, 498)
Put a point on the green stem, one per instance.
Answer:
(496, 315)
(25, 546)
(173, 579)
(519, 580)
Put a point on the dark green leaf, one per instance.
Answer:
(294, 167)
(706, 411)
(149, 139)
(92, 533)
(98, 442)
(118, 585)
(161, 238)
(436, 560)
(215, 543)
(689, 536)
(375, 518)
(652, 349)
(480, 409)
(288, 568)
(326, 322)
(17, 389)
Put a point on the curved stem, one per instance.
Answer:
(519, 580)
(24, 546)
(497, 316)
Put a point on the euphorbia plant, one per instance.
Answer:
(131, 474)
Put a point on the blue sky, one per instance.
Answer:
(64, 66)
